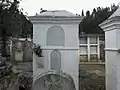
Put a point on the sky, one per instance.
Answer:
(75, 6)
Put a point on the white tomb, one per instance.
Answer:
(112, 38)
(57, 33)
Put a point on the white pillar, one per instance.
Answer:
(112, 56)
(88, 48)
(98, 47)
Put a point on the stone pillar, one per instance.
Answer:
(112, 54)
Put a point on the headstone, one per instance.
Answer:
(54, 81)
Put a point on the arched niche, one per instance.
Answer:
(55, 60)
(56, 36)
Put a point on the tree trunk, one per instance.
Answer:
(4, 54)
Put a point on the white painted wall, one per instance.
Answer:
(112, 56)
(111, 66)
(112, 60)
(71, 34)
(69, 52)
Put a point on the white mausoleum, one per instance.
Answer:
(112, 50)
(57, 33)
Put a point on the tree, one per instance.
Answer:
(12, 24)
(17, 24)
(99, 9)
(82, 13)
(94, 12)
(8, 9)
(26, 27)
(87, 13)
(114, 7)
(90, 24)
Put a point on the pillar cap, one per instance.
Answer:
(113, 22)
(116, 13)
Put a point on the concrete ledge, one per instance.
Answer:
(60, 48)
(92, 63)
(112, 49)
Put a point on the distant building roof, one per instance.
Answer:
(116, 13)
(56, 13)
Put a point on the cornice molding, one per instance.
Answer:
(55, 20)
(111, 24)
(59, 48)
